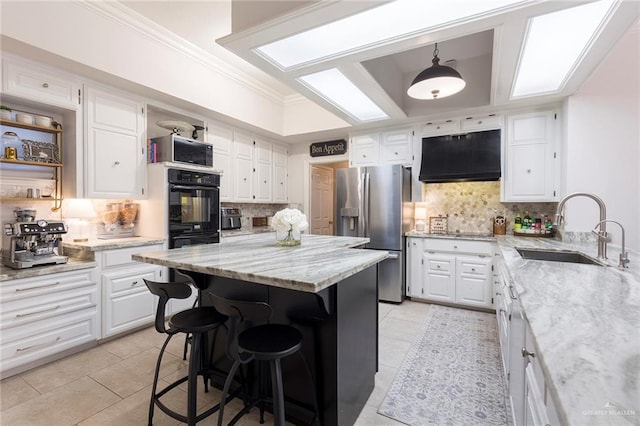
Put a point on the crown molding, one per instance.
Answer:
(123, 15)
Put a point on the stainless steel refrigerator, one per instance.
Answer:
(370, 202)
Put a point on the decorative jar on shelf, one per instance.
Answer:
(288, 224)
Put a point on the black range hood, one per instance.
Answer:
(458, 158)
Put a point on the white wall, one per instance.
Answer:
(602, 143)
(99, 37)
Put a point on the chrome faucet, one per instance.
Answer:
(624, 256)
(602, 234)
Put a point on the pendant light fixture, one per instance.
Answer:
(437, 81)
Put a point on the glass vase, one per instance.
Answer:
(289, 238)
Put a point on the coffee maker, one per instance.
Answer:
(32, 243)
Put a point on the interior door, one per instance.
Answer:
(321, 200)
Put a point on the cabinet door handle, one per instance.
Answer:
(37, 312)
(364, 155)
(528, 171)
(244, 179)
(135, 283)
(525, 353)
(480, 122)
(473, 269)
(45, 85)
(511, 295)
(455, 247)
(41, 344)
(265, 181)
(117, 163)
(40, 286)
(438, 266)
(395, 153)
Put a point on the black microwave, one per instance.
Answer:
(178, 149)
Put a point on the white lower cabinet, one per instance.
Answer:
(44, 316)
(439, 279)
(530, 398)
(450, 270)
(474, 283)
(127, 302)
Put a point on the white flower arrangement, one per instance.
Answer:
(289, 220)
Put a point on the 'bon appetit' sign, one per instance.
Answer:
(322, 149)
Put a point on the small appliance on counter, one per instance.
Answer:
(231, 218)
(29, 242)
(118, 221)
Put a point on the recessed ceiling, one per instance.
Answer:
(470, 55)
(485, 49)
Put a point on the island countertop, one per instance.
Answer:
(319, 262)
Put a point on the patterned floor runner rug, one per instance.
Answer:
(452, 374)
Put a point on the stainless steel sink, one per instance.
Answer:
(557, 256)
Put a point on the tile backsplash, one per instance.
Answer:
(471, 206)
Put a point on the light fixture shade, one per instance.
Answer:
(78, 208)
(420, 213)
(437, 81)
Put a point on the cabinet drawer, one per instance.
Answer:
(25, 311)
(439, 265)
(35, 341)
(472, 267)
(35, 287)
(129, 281)
(459, 246)
(40, 84)
(120, 257)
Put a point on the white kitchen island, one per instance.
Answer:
(324, 287)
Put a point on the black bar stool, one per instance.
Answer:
(180, 276)
(265, 342)
(196, 322)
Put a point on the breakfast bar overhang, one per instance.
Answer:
(324, 287)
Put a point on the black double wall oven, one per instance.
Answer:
(194, 208)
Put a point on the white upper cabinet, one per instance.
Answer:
(222, 140)
(243, 167)
(263, 172)
(531, 158)
(280, 174)
(481, 123)
(380, 148)
(39, 83)
(115, 129)
(364, 150)
(438, 128)
(396, 147)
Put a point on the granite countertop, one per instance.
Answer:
(114, 243)
(478, 236)
(7, 274)
(80, 256)
(245, 231)
(585, 321)
(319, 262)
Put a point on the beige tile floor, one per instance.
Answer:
(110, 384)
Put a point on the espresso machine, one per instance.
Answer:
(32, 243)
